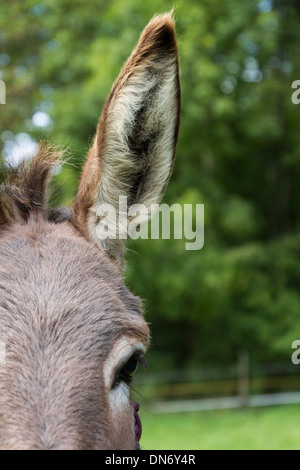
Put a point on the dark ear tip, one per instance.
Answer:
(165, 20)
(159, 34)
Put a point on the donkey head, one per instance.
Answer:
(73, 334)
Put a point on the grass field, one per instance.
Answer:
(253, 428)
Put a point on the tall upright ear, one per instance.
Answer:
(134, 148)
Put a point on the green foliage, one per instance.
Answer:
(238, 154)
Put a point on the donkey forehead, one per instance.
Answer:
(54, 282)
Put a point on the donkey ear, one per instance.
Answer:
(133, 150)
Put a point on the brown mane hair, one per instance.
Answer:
(24, 190)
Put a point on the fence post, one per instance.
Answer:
(243, 378)
(2, 92)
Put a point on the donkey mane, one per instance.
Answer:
(24, 190)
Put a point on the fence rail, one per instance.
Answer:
(206, 404)
(241, 385)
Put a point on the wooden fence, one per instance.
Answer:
(242, 385)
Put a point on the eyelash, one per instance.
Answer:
(127, 370)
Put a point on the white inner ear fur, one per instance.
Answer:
(120, 353)
(121, 119)
(119, 163)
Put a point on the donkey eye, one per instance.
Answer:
(126, 372)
